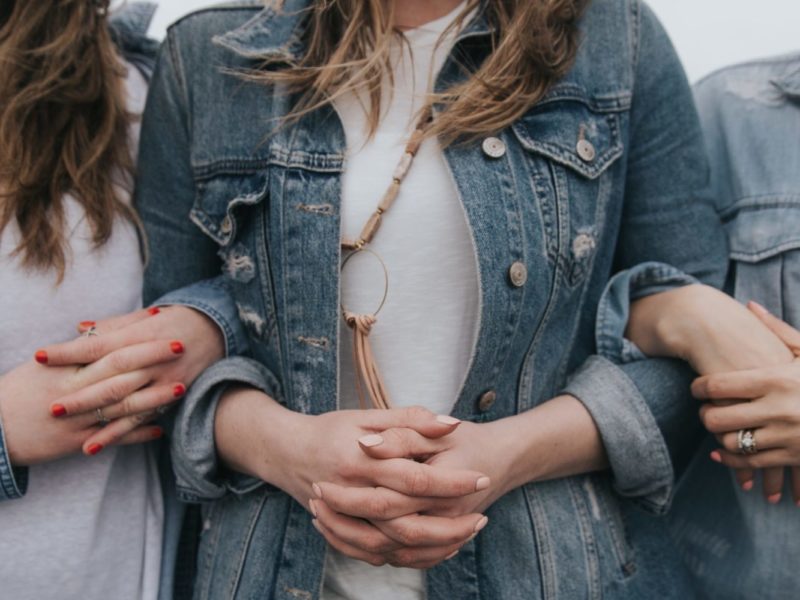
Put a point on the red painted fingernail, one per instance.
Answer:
(178, 390)
(154, 310)
(774, 499)
(157, 432)
(176, 347)
(58, 410)
(716, 456)
(747, 485)
(86, 324)
(94, 449)
(41, 357)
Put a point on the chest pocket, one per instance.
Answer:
(231, 208)
(764, 243)
(570, 146)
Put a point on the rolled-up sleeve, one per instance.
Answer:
(200, 475)
(13, 480)
(670, 236)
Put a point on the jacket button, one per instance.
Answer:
(518, 274)
(226, 226)
(586, 150)
(494, 147)
(487, 400)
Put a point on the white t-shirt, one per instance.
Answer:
(88, 528)
(425, 333)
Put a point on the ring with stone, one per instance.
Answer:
(92, 331)
(101, 418)
(746, 439)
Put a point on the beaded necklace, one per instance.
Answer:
(367, 373)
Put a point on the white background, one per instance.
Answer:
(708, 33)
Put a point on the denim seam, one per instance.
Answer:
(11, 488)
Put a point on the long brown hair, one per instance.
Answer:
(348, 45)
(63, 125)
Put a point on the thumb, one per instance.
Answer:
(787, 334)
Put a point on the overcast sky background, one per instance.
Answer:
(708, 33)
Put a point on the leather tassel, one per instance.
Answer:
(367, 374)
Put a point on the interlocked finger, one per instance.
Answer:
(126, 430)
(127, 359)
(375, 503)
(426, 531)
(101, 395)
(416, 479)
(354, 532)
(145, 400)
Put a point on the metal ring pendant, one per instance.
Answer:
(385, 276)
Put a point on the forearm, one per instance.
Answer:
(705, 327)
(556, 439)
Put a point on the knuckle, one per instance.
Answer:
(379, 507)
(417, 481)
(407, 534)
(712, 387)
(377, 544)
(711, 420)
(119, 361)
(95, 348)
(418, 413)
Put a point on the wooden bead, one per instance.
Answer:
(389, 197)
(371, 227)
(415, 142)
(348, 244)
(403, 167)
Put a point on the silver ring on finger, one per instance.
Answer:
(161, 410)
(101, 418)
(92, 331)
(746, 440)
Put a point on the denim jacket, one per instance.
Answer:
(606, 172)
(735, 543)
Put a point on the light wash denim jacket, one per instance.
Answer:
(735, 543)
(256, 221)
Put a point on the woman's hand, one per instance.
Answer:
(32, 434)
(770, 407)
(301, 453)
(556, 439)
(135, 393)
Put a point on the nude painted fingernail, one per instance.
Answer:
(154, 310)
(448, 420)
(747, 485)
(774, 499)
(311, 507)
(758, 308)
(41, 357)
(481, 524)
(451, 555)
(94, 449)
(716, 456)
(58, 410)
(86, 324)
(178, 390)
(482, 484)
(317, 490)
(371, 440)
(156, 433)
(315, 523)
(176, 347)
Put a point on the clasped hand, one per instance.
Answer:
(436, 486)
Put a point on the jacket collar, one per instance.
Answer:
(279, 32)
(789, 81)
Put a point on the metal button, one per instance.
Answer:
(518, 274)
(586, 150)
(487, 400)
(494, 147)
(583, 245)
(227, 226)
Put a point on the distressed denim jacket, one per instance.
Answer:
(607, 172)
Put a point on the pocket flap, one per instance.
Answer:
(571, 133)
(756, 233)
(216, 200)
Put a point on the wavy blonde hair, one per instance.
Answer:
(534, 44)
(63, 125)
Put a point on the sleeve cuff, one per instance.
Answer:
(199, 475)
(13, 480)
(613, 310)
(637, 453)
(212, 298)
